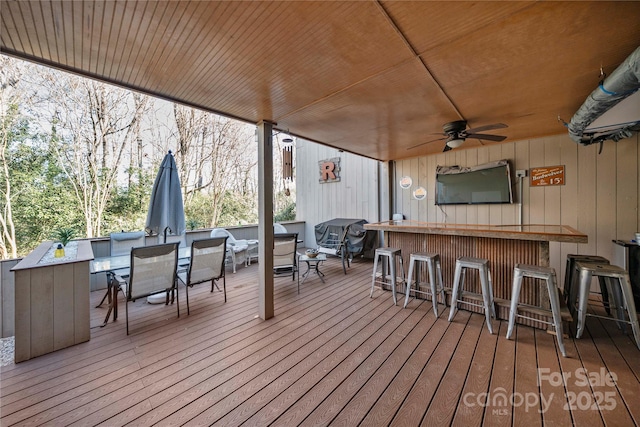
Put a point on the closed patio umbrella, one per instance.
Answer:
(166, 210)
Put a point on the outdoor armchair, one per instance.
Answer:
(237, 250)
(206, 265)
(285, 255)
(153, 270)
(279, 228)
(122, 243)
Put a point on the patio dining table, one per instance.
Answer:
(111, 264)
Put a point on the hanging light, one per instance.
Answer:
(455, 143)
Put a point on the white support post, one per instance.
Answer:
(265, 219)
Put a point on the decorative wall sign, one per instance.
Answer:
(419, 193)
(329, 170)
(544, 176)
(405, 182)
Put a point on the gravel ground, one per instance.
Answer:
(6, 351)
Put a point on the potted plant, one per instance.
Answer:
(64, 235)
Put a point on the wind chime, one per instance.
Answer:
(287, 164)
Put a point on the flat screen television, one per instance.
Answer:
(483, 184)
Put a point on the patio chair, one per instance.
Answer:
(121, 244)
(285, 255)
(336, 245)
(236, 249)
(153, 270)
(206, 265)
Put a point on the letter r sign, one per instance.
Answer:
(326, 170)
(329, 170)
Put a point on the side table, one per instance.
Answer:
(313, 265)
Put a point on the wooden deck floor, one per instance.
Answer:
(331, 355)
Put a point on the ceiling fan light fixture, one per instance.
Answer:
(455, 143)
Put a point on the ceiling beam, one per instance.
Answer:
(404, 39)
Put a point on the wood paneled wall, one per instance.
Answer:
(600, 196)
(7, 297)
(355, 196)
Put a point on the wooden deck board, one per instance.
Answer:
(592, 362)
(469, 411)
(330, 356)
(344, 392)
(441, 411)
(286, 390)
(318, 338)
(418, 400)
(526, 379)
(343, 363)
(554, 409)
(367, 395)
(625, 379)
(502, 381)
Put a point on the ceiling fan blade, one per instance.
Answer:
(486, 137)
(423, 143)
(487, 127)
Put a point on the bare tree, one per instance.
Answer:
(233, 162)
(215, 155)
(191, 125)
(92, 125)
(10, 98)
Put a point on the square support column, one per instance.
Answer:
(265, 219)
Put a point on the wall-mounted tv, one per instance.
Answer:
(488, 183)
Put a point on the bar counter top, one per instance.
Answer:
(534, 232)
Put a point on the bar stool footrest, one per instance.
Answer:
(522, 316)
(473, 304)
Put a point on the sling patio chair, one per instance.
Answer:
(121, 244)
(285, 255)
(153, 269)
(206, 265)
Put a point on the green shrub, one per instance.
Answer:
(286, 214)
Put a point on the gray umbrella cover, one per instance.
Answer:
(165, 207)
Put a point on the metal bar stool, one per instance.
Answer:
(390, 256)
(571, 280)
(433, 264)
(482, 265)
(537, 272)
(622, 295)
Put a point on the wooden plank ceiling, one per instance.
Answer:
(369, 77)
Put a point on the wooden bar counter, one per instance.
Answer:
(503, 245)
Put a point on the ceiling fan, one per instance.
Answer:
(456, 132)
